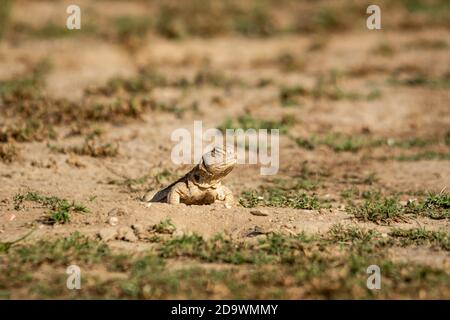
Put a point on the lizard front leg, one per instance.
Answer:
(177, 193)
(225, 195)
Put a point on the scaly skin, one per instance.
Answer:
(203, 184)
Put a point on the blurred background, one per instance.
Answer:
(124, 34)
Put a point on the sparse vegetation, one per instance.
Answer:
(384, 49)
(340, 142)
(288, 95)
(434, 206)
(59, 209)
(155, 179)
(24, 99)
(431, 44)
(442, 82)
(356, 179)
(5, 11)
(424, 155)
(193, 18)
(31, 130)
(379, 209)
(350, 234)
(350, 193)
(421, 236)
(326, 87)
(8, 152)
(337, 142)
(26, 86)
(285, 193)
(269, 263)
(91, 147)
(248, 122)
(147, 79)
(132, 30)
(276, 198)
(164, 226)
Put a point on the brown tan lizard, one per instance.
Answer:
(203, 184)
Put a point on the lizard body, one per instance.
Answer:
(203, 184)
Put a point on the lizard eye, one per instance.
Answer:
(196, 177)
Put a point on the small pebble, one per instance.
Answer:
(113, 221)
(390, 142)
(259, 213)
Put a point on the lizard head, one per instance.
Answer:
(215, 165)
(219, 159)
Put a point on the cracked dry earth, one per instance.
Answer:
(110, 187)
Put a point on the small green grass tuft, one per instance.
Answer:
(350, 193)
(305, 143)
(8, 152)
(384, 49)
(378, 210)
(5, 11)
(421, 236)
(30, 130)
(346, 234)
(90, 147)
(248, 122)
(28, 85)
(289, 95)
(132, 30)
(338, 142)
(424, 155)
(428, 44)
(421, 80)
(59, 209)
(434, 206)
(164, 226)
(286, 193)
(273, 197)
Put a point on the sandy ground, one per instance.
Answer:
(400, 112)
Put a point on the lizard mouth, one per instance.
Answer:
(220, 166)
